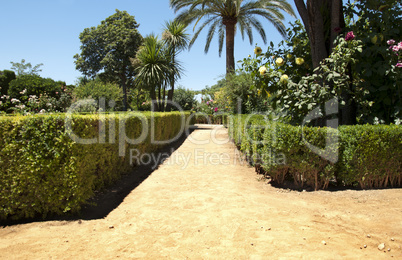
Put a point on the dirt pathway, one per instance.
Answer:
(203, 203)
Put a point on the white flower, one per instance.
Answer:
(14, 100)
(42, 111)
(23, 92)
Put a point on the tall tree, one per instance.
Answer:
(175, 36)
(107, 49)
(228, 15)
(154, 66)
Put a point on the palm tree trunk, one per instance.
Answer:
(163, 101)
(171, 91)
(230, 23)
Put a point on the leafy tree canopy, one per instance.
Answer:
(107, 49)
(23, 68)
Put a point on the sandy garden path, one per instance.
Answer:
(203, 203)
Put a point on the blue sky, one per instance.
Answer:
(47, 31)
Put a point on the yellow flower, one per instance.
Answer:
(262, 70)
(259, 92)
(257, 50)
(374, 39)
(299, 61)
(289, 56)
(284, 78)
(279, 61)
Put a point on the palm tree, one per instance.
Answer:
(154, 67)
(174, 35)
(228, 15)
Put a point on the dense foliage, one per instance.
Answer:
(184, 99)
(362, 156)
(43, 171)
(108, 95)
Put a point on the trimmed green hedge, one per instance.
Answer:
(202, 118)
(364, 156)
(43, 171)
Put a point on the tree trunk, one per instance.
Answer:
(154, 101)
(301, 8)
(163, 101)
(230, 23)
(123, 83)
(171, 91)
(317, 31)
(321, 18)
(337, 20)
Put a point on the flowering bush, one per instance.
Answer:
(397, 50)
(29, 104)
(362, 68)
(29, 94)
(206, 106)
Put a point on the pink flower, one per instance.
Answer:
(207, 102)
(216, 109)
(391, 42)
(395, 48)
(399, 65)
(57, 93)
(349, 36)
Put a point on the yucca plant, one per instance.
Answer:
(154, 66)
(175, 36)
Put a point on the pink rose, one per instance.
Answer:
(349, 36)
(391, 42)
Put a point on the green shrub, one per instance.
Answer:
(44, 171)
(6, 76)
(365, 156)
(203, 118)
(97, 89)
(34, 85)
(371, 156)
